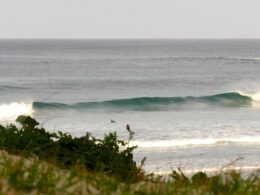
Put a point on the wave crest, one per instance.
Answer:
(232, 99)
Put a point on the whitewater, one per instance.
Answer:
(193, 104)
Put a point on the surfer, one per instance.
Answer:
(112, 121)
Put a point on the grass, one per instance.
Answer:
(26, 167)
(20, 175)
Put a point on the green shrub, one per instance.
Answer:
(109, 155)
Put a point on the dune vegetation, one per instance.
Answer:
(35, 161)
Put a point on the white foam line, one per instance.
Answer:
(214, 170)
(244, 58)
(190, 142)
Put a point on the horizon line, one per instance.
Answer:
(55, 38)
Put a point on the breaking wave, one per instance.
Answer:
(232, 99)
(15, 109)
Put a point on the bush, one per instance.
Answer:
(109, 155)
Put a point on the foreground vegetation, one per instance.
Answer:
(35, 161)
(109, 155)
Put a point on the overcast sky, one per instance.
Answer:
(129, 18)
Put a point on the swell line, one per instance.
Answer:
(232, 99)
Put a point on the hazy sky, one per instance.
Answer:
(129, 18)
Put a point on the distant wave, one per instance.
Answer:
(191, 58)
(244, 58)
(232, 99)
(10, 87)
(194, 142)
(177, 58)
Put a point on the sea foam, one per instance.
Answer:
(194, 142)
(12, 110)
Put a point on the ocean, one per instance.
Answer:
(193, 104)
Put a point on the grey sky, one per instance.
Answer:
(129, 18)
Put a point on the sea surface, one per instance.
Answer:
(193, 104)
